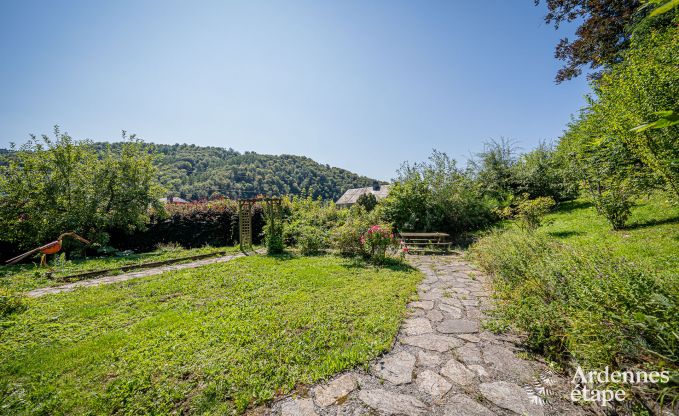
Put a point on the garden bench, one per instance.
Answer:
(425, 241)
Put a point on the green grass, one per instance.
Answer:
(650, 239)
(584, 294)
(213, 339)
(25, 277)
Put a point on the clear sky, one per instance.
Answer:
(362, 85)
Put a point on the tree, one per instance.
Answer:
(604, 34)
(436, 196)
(540, 173)
(367, 201)
(52, 186)
(493, 169)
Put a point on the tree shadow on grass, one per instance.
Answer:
(652, 223)
(568, 206)
(284, 256)
(564, 234)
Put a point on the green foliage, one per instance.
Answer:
(530, 212)
(312, 240)
(273, 229)
(644, 87)
(214, 340)
(191, 225)
(493, 169)
(436, 196)
(11, 302)
(346, 238)
(605, 31)
(367, 201)
(541, 173)
(375, 241)
(586, 305)
(310, 222)
(610, 173)
(196, 172)
(52, 186)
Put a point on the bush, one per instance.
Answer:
(375, 241)
(616, 205)
(312, 240)
(367, 201)
(437, 196)
(310, 223)
(11, 302)
(273, 230)
(49, 187)
(583, 308)
(530, 212)
(196, 224)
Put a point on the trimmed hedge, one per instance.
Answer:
(190, 225)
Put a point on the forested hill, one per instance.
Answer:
(196, 172)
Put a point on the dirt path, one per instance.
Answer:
(443, 362)
(106, 280)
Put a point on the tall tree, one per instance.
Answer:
(603, 34)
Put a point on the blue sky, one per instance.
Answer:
(355, 84)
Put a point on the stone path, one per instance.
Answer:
(442, 363)
(107, 280)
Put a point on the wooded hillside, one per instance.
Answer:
(196, 172)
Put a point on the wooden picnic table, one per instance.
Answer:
(425, 241)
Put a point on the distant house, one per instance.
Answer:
(351, 195)
(173, 200)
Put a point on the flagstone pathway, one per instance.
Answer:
(442, 363)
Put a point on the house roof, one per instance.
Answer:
(352, 195)
(175, 200)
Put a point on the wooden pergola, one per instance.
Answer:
(272, 210)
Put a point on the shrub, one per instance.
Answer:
(346, 238)
(375, 241)
(196, 224)
(310, 223)
(367, 201)
(614, 204)
(542, 172)
(312, 240)
(11, 302)
(273, 230)
(52, 186)
(436, 196)
(530, 212)
(590, 308)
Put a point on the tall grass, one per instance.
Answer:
(583, 307)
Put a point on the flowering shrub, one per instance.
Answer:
(376, 241)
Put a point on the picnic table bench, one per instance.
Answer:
(425, 241)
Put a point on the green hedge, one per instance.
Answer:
(194, 224)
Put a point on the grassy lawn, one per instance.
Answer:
(650, 239)
(25, 277)
(214, 339)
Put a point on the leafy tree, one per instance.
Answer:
(51, 186)
(605, 31)
(541, 173)
(493, 169)
(637, 90)
(608, 170)
(367, 201)
(436, 196)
